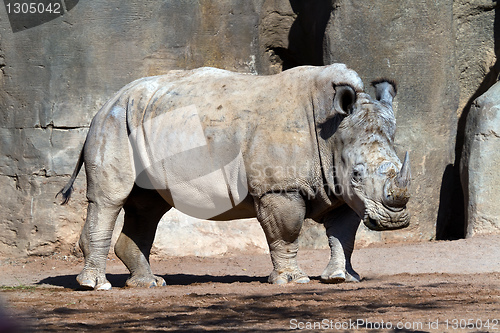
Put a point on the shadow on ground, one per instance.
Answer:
(118, 280)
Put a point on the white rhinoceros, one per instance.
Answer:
(305, 143)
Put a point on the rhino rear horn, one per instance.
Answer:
(385, 90)
(345, 96)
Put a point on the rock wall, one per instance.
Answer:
(55, 76)
(480, 160)
(477, 35)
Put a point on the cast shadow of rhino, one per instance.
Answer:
(119, 280)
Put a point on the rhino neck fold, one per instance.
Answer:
(324, 137)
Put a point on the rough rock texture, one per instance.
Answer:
(476, 52)
(476, 33)
(480, 161)
(55, 76)
(291, 33)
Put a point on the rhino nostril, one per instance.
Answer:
(396, 201)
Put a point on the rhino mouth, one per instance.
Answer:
(378, 217)
(371, 223)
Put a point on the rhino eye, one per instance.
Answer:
(358, 173)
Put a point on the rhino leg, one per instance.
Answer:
(109, 183)
(143, 211)
(95, 241)
(341, 226)
(281, 216)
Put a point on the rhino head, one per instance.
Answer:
(367, 173)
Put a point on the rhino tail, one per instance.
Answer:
(68, 189)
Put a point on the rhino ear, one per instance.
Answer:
(385, 90)
(345, 96)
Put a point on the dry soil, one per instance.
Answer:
(451, 286)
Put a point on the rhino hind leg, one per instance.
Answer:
(281, 216)
(143, 211)
(95, 245)
(109, 183)
(106, 198)
(341, 227)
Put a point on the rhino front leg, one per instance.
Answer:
(281, 216)
(341, 226)
(143, 211)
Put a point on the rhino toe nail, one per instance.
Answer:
(281, 281)
(351, 278)
(304, 279)
(87, 285)
(104, 286)
(333, 279)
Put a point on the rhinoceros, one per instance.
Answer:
(305, 143)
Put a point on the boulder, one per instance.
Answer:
(479, 166)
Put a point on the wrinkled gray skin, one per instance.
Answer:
(313, 145)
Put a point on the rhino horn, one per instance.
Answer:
(396, 189)
(385, 90)
(404, 175)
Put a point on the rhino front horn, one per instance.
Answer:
(404, 175)
(396, 189)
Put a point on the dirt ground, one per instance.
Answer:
(451, 286)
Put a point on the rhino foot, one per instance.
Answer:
(334, 277)
(339, 276)
(93, 280)
(148, 281)
(285, 277)
(352, 277)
